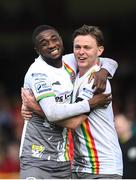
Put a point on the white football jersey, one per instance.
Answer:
(97, 149)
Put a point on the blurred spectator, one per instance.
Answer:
(130, 107)
(9, 135)
(128, 145)
(6, 117)
(9, 159)
(17, 118)
(2, 149)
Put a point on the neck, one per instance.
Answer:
(57, 63)
(82, 71)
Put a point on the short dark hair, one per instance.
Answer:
(39, 29)
(94, 31)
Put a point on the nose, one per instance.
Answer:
(51, 44)
(81, 51)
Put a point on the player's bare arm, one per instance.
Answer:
(72, 123)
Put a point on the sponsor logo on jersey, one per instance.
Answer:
(87, 91)
(85, 96)
(42, 87)
(63, 97)
(38, 75)
(40, 79)
(56, 83)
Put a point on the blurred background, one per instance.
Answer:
(117, 19)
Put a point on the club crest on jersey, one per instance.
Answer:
(42, 87)
(37, 151)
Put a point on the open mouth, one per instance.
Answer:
(81, 59)
(54, 52)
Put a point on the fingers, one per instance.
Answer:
(23, 94)
(26, 114)
(99, 84)
(104, 96)
(100, 100)
(107, 98)
(27, 97)
(24, 98)
(26, 93)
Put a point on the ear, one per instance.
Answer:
(100, 50)
(61, 41)
(36, 50)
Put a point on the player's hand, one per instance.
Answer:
(100, 100)
(26, 113)
(100, 78)
(28, 99)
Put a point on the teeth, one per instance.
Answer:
(54, 51)
(81, 58)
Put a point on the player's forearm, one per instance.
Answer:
(72, 123)
(110, 65)
(38, 110)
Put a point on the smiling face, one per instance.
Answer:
(49, 45)
(86, 51)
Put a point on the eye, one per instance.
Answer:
(77, 47)
(44, 43)
(54, 39)
(87, 47)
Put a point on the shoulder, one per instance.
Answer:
(38, 65)
(37, 69)
(68, 56)
(109, 61)
(70, 60)
(105, 58)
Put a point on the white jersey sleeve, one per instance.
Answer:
(55, 112)
(109, 64)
